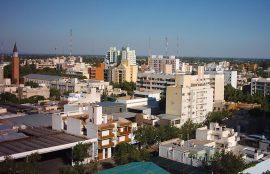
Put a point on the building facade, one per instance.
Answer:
(15, 71)
(126, 71)
(154, 81)
(225, 138)
(97, 72)
(160, 64)
(189, 101)
(128, 54)
(260, 85)
(90, 122)
(112, 55)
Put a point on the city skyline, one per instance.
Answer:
(204, 28)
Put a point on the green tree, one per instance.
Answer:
(126, 153)
(30, 165)
(217, 116)
(8, 97)
(8, 166)
(55, 94)
(146, 135)
(188, 130)
(227, 163)
(35, 98)
(79, 153)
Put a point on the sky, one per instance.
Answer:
(204, 28)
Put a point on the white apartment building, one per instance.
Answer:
(261, 85)
(89, 122)
(78, 69)
(91, 97)
(230, 77)
(132, 101)
(68, 84)
(188, 101)
(153, 97)
(225, 138)
(112, 55)
(158, 63)
(154, 81)
(185, 68)
(128, 54)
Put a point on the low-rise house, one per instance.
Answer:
(88, 121)
(192, 152)
(225, 138)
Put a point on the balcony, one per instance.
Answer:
(123, 133)
(100, 146)
(100, 137)
(126, 140)
(124, 124)
(105, 127)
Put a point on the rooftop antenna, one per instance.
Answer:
(177, 45)
(70, 42)
(149, 50)
(166, 47)
(2, 51)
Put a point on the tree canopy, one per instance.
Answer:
(128, 86)
(227, 163)
(236, 95)
(126, 153)
(218, 117)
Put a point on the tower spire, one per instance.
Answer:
(15, 48)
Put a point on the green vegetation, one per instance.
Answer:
(12, 98)
(188, 130)
(218, 117)
(149, 135)
(55, 94)
(31, 69)
(28, 166)
(235, 95)
(126, 153)
(8, 98)
(128, 86)
(227, 163)
(79, 153)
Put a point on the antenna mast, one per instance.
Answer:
(166, 47)
(177, 51)
(70, 42)
(149, 50)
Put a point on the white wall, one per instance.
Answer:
(74, 126)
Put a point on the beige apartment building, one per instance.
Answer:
(194, 96)
(126, 71)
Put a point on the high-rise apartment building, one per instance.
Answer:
(189, 100)
(126, 71)
(128, 54)
(193, 96)
(113, 55)
(158, 64)
(15, 66)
